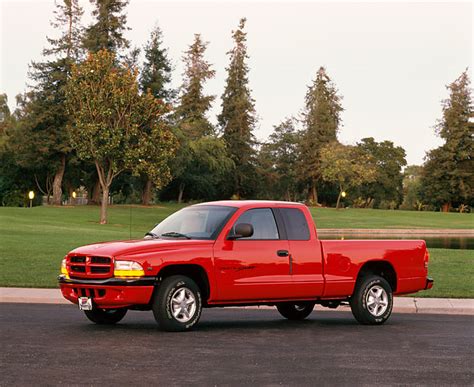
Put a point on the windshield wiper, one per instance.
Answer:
(174, 234)
(152, 234)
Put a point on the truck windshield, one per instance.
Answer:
(196, 222)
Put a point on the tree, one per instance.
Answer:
(115, 126)
(155, 77)
(389, 161)
(43, 130)
(346, 166)
(411, 188)
(201, 159)
(107, 32)
(278, 160)
(237, 119)
(193, 104)
(321, 120)
(448, 175)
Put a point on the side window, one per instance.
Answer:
(263, 222)
(295, 224)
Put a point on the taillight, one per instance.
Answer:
(427, 258)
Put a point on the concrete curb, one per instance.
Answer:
(401, 304)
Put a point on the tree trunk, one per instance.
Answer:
(313, 194)
(446, 207)
(146, 195)
(181, 192)
(95, 194)
(338, 200)
(58, 181)
(103, 205)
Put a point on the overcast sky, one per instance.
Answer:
(390, 61)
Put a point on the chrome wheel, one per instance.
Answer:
(300, 307)
(183, 305)
(377, 301)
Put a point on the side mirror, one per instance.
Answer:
(241, 230)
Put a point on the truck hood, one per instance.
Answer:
(139, 246)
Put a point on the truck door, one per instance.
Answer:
(253, 268)
(305, 254)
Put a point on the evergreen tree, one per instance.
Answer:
(321, 119)
(448, 176)
(237, 119)
(156, 71)
(45, 120)
(155, 78)
(201, 160)
(107, 32)
(193, 104)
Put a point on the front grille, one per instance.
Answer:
(80, 266)
(89, 292)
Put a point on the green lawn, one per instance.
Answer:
(33, 241)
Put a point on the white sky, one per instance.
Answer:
(390, 61)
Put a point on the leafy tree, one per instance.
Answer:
(389, 161)
(237, 119)
(107, 32)
(278, 160)
(155, 77)
(448, 176)
(346, 166)
(115, 126)
(411, 188)
(43, 122)
(321, 119)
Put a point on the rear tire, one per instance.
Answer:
(295, 311)
(372, 301)
(177, 305)
(105, 316)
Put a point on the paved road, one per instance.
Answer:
(55, 344)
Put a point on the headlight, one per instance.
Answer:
(128, 269)
(64, 268)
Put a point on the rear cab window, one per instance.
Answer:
(295, 224)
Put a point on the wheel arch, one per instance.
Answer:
(196, 272)
(382, 268)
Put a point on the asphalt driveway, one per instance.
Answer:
(55, 344)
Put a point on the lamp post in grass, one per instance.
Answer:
(31, 196)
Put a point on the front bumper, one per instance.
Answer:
(429, 283)
(110, 292)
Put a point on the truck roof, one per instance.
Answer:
(250, 203)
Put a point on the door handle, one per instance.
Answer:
(282, 253)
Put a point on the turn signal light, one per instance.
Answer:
(128, 269)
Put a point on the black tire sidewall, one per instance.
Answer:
(359, 301)
(104, 316)
(162, 303)
(289, 311)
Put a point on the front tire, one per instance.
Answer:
(177, 306)
(372, 301)
(105, 316)
(295, 311)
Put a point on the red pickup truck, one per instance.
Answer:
(236, 253)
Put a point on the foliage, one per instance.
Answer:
(387, 186)
(321, 120)
(193, 104)
(277, 161)
(156, 72)
(346, 166)
(116, 127)
(107, 32)
(448, 175)
(411, 188)
(237, 119)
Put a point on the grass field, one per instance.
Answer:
(33, 241)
